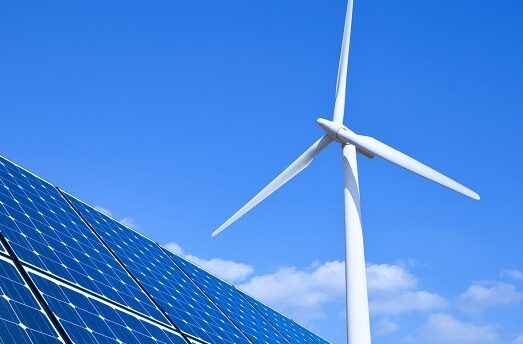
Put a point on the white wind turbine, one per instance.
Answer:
(358, 328)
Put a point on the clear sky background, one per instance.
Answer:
(172, 114)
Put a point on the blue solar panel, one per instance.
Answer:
(46, 232)
(237, 308)
(86, 319)
(294, 332)
(2, 248)
(22, 319)
(185, 304)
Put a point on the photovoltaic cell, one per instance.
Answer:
(46, 232)
(294, 332)
(237, 308)
(22, 319)
(185, 304)
(87, 320)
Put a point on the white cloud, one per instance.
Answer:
(386, 278)
(407, 301)
(103, 210)
(300, 293)
(129, 222)
(445, 329)
(485, 294)
(384, 327)
(174, 248)
(512, 273)
(303, 293)
(228, 270)
(393, 290)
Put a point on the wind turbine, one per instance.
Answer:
(358, 327)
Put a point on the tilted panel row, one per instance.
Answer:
(176, 294)
(45, 232)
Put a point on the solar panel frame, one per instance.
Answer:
(87, 318)
(272, 335)
(2, 248)
(18, 299)
(113, 233)
(42, 229)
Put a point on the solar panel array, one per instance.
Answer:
(70, 274)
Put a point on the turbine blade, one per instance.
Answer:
(341, 83)
(378, 148)
(296, 167)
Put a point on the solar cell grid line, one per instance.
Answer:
(188, 307)
(293, 331)
(230, 301)
(22, 318)
(44, 231)
(89, 319)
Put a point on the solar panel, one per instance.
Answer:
(294, 332)
(237, 308)
(45, 232)
(22, 319)
(184, 303)
(106, 283)
(87, 319)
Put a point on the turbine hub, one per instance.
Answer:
(332, 129)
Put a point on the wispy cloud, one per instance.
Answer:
(103, 210)
(230, 271)
(303, 293)
(406, 302)
(513, 274)
(384, 327)
(446, 329)
(387, 278)
(127, 221)
(300, 293)
(394, 290)
(483, 294)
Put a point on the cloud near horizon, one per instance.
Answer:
(307, 294)
(446, 329)
(304, 293)
(228, 270)
(126, 221)
(484, 294)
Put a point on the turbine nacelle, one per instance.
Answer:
(340, 133)
(331, 129)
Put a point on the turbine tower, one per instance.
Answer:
(358, 327)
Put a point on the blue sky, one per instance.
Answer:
(172, 114)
